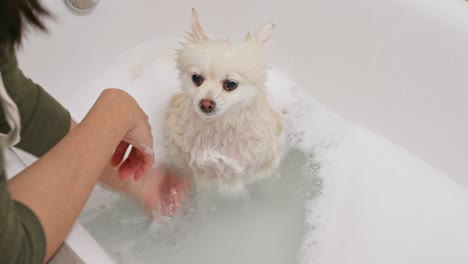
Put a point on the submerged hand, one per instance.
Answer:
(162, 191)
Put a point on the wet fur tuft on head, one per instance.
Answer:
(196, 34)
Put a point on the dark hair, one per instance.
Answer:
(16, 15)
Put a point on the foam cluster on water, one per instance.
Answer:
(102, 201)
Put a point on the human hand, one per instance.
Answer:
(137, 163)
(162, 191)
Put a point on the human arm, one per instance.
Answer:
(57, 186)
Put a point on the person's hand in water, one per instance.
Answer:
(162, 191)
(159, 190)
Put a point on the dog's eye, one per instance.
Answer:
(197, 79)
(230, 85)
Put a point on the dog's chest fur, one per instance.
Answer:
(231, 150)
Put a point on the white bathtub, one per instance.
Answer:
(396, 67)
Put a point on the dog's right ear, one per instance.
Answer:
(196, 33)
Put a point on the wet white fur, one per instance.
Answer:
(238, 144)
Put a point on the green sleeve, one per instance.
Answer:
(22, 239)
(44, 121)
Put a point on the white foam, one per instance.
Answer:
(380, 204)
(377, 204)
(101, 201)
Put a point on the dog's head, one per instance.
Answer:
(220, 75)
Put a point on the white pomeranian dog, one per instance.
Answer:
(221, 126)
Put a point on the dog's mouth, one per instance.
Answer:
(212, 114)
(208, 115)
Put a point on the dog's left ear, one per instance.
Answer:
(263, 35)
(197, 33)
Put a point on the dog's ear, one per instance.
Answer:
(197, 33)
(263, 35)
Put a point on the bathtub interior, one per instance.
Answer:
(395, 68)
(375, 195)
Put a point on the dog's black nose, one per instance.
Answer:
(207, 106)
